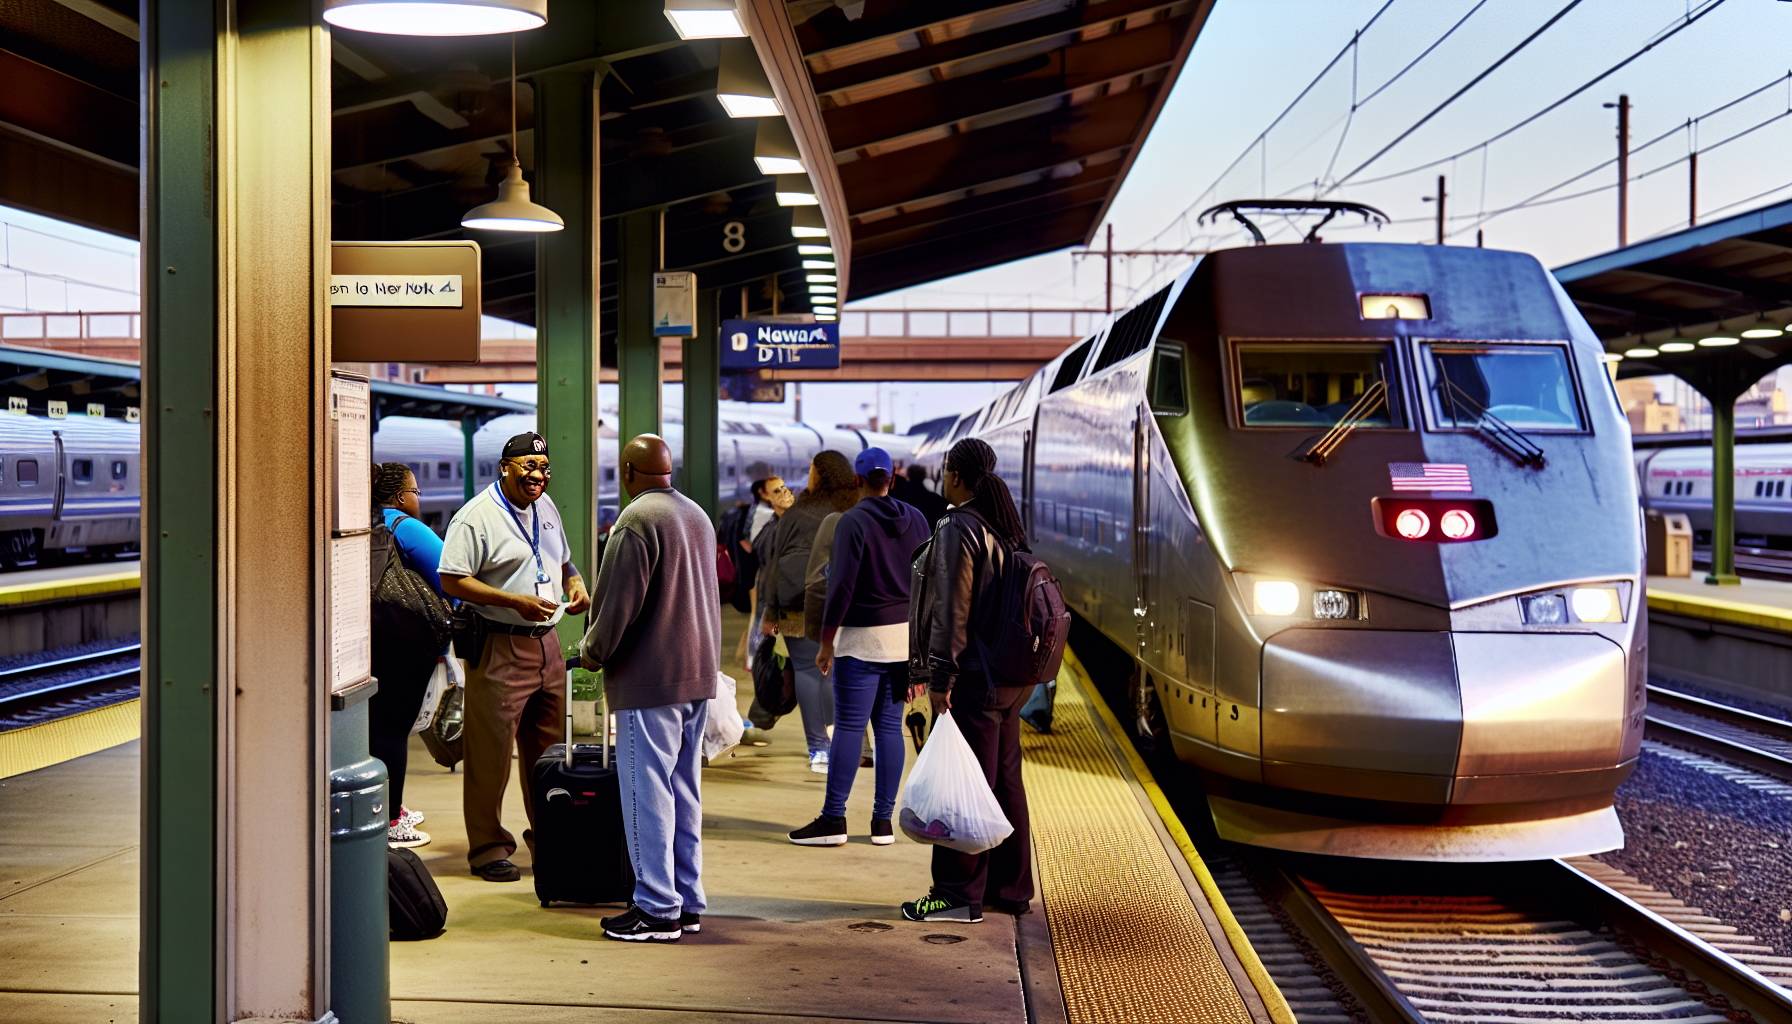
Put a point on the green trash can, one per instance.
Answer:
(360, 991)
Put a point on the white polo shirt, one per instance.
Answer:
(494, 542)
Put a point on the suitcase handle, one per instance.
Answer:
(603, 712)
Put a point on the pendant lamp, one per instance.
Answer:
(704, 19)
(742, 87)
(512, 211)
(795, 190)
(774, 148)
(808, 223)
(437, 17)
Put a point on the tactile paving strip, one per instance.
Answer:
(64, 739)
(1129, 944)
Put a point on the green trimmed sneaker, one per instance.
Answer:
(942, 908)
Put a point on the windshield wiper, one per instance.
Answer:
(1493, 430)
(1374, 398)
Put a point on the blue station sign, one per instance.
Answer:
(760, 345)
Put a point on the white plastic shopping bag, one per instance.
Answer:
(439, 682)
(948, 801)
(721, 732)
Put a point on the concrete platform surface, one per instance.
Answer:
(62, 573)
(1769, 593)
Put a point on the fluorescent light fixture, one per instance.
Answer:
(821, 279)
(823, 289)
(1640, 353)
(741, 85)
(704, 19)
(826, 318)
(512, 211)
(825, 308)
(1762, 332)
(796, 190)
(1678, 346)
(807, 222)
(437, 17)
(815, 250)
(774, 148)
(1718, 342)
(818, 265)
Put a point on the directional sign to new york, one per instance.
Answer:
(757, 345)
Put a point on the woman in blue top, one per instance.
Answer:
(402, 670)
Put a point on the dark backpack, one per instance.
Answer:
(1024, 636)
(406, 610)
(416, 906)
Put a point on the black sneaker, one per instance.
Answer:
(691, 923)
(499, 871)
(636, 925)
(823, 831)
(882, 834)
(942, 908)
(1015, 907)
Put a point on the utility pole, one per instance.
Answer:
(1110, 262)
(1110, 253)
(1439, 200)
(1692, 189)
(1623, 106)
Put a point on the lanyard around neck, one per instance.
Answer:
(541, 572)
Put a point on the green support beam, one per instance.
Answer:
(177, 978)
(702, 391)
(638, 369)
(469, 426)
(1723, 491)
(565, 345)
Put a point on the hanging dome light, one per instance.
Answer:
(512, 210)
(437, 17)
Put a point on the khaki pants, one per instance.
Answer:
(515, 696)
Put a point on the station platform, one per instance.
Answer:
(1763, 604)
(1731, 639)
(1128, 925)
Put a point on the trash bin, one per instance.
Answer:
(359, 928)
(1669, 536)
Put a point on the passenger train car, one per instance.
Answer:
(1363, 517)
(72, 485)
(1679, 480)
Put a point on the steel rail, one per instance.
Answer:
(1777, 728)
(7, 700)
(1720, 741)
(79, 659)
(1679, 734)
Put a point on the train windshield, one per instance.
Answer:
(1527, 386)
(1301, 386)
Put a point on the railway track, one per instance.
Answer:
(1742, 738)
(36, 693)
(1548, 941)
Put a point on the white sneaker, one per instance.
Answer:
(400, 835)
(818, 762)
(410, 817)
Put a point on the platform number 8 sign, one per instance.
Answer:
(734, 236)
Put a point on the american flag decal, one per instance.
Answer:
(1430, 476)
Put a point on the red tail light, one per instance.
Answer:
(1457, 523)
(1434, 520)
(1412, 523)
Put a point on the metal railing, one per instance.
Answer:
(970, 323)
(16, 327)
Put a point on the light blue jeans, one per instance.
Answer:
(814, 692)
(659, 752)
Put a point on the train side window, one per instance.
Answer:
(27, 472)
(1072, 366)
(81, 470)
(609, 473)
(460, 470)
(1169, 393)
(444, 470)
(120, 469)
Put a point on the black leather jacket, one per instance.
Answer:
(951, 596)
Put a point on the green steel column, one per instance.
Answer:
(565, 350)
(469, 469)
(638, 369)
(1723, 491)
(702, 393)
(178, 943)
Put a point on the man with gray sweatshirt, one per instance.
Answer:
(657, 634)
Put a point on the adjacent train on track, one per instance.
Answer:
(1365, 520)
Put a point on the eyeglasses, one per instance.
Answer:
(532, 466)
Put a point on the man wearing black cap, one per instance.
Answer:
(506, 553)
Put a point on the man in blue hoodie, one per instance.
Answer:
(865, 625)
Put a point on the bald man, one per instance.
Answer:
(657, 634)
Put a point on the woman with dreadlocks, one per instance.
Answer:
(402, 667)
(969, 555)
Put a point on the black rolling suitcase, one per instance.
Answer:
(581, 855)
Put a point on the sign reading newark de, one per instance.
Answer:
(404, 302)
(761, 345)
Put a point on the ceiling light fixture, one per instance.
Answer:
(815, 250)
(1677, 346)
(820, 278)
(437, 17)
(808, 223)
(741, 85)
(774, 148)
(1640, 353)
(1717, 342)
(796, 190)
(823, 289)
(818, 265)
(704, 19)
(513, 211)
(1764, 331)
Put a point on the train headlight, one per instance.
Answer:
(1597, 604)
(1332, 604)
(1412, 523)
(1275, 597)
(1545, 610)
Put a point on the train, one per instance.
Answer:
(72, 486)
(1362, 522)
(1678, 480)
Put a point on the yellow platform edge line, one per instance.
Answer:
(1717, 609)
(1271, 994)
(64, 739)
(58, 590)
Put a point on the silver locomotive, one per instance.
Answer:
(1363, 517)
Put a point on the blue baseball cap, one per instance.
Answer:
(872, 459)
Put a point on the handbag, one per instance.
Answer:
(432, 696)
(443, 737)
(406, 608)
(774, 682)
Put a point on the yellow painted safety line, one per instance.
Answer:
(64, 739)
(59, 590)
(1717, 609)
(1273, 999)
